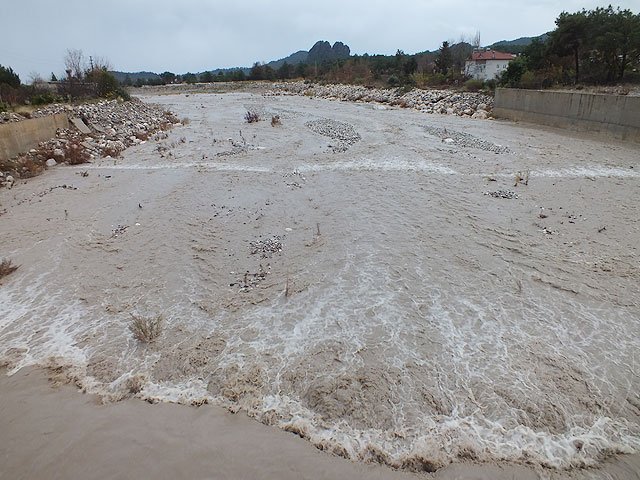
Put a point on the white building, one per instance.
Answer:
(487, 64)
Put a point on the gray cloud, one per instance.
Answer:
(197, 35)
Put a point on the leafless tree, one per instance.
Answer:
(74, 61)
(35, 79)
(476, 40)
(101, 63)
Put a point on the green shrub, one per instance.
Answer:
(108, 87)
(491, 84)
(9, 77)
(473, 85)
(44, 98)
(403, 90)
(528, 80)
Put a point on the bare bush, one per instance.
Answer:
(30, 167)
(135, 384)
(74, 62)
(522, 178)
(7, 267)
(146, 329)
(251, 117)
(75, 153)
(275, 121)
(142, 135)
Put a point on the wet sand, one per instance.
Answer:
(418, 308)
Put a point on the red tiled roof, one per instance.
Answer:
(492, 55)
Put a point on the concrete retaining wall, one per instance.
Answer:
(20, 137)
(613, 115)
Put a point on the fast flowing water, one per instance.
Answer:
(408, 317)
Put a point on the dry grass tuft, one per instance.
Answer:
(30, 167)
(146, 329)
(251, 117)
(142, 135)
(7, 267)
(522, 177)
(135, 384)
(111, 151)
(75, 153)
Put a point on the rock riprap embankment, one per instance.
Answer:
(447, 102)
(111, 127)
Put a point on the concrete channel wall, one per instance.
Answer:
(616, 116)
(20, 137)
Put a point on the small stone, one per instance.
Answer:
(51, 162)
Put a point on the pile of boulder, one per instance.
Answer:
(343, 133)
(448, 102)
(463, 139)
(100, 129)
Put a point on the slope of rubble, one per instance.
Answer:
(113, 126)
(448, 102)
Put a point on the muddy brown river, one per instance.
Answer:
(400, 288)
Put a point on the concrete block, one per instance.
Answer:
(80, 125)
(20, 137)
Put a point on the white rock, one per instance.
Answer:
(482, 106)
(449, 140)
(58, 153)
(481, 114)
(51, 162)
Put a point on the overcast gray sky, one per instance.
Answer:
(198, 35)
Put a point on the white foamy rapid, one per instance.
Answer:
(370, 298)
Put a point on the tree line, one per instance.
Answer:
(591, 46)
(437, 68)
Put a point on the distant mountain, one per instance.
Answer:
(518, 45)
(300, 56)
(323, 51)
